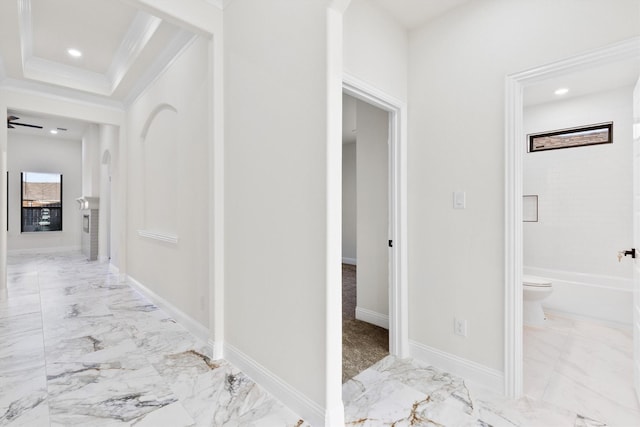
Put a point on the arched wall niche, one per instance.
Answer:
(159, 177)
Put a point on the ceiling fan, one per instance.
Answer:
(11, 123)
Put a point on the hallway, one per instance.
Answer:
(80, 348)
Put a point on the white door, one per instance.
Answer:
(636, 238)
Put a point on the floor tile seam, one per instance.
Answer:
(602, 342)
(595, 391)
(556, 364)
(44, 351)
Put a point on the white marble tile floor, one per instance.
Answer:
(80, 348)
(583, 366)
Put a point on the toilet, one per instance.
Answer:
(535, 289)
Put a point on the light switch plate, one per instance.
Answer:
(459, 200)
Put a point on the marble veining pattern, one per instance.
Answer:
(81, 348)
(399, 393)
(586, 365)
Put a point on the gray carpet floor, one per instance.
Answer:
(363, 344)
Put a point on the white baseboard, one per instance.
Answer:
(189, 323)
(44, 250)
(590, 319)
(306, 408)
(217, 349)
(372, 317)
(114, 270)
(350, 261)
(470, 371)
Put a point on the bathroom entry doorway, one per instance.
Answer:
(619, 53)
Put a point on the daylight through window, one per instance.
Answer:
(41, 202)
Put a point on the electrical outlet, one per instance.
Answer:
(460, 327)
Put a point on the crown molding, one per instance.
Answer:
(138, 36)
(179, 44)
(136, 39)
(59, 74)
(26, 30)
(60, 93)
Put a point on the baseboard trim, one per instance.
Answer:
(372, 317)
(350, 261)
(312, 413)
(114, 270)
(573, 316)
(188, 322)
(217, 349)
(473, 372)
(44, 250)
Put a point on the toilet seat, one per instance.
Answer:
(537, 282)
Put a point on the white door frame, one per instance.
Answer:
(514, 151)
(398, 301)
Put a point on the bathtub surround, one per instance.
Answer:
(585, 208)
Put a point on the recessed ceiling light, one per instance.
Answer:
(53, 131)
(561, 91)
(74, 52)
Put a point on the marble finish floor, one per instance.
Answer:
(80, 348)
(583, 366)
(403, 392)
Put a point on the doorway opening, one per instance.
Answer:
(516, 84)
(375, 290)
(365, 231)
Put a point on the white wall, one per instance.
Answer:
(91, 161)
(375, 48)
(584, 207)
(282, 124)
(167, 168)
(349, 204)
(106, 155)
(27, 153)
(372, 214)
(457, 70)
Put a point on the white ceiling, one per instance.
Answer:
(123, 48)
(606, 77)
(413, 13)
(75, 129)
